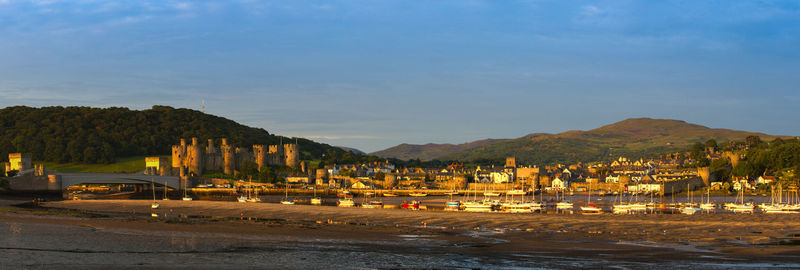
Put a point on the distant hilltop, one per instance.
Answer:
(100, 135)
(635, 137)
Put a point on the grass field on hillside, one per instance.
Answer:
(123, 165)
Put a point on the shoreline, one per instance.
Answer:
(492, 237)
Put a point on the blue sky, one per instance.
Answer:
(373, 74)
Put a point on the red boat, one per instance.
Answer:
(411, 205)
(591, 209)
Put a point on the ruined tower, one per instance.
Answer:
(292, 155)
(179, 154)
(229, 160)
(260, 153)
(195, 158)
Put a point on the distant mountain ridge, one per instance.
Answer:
(635, 137)
(429, 151)
(351, 150)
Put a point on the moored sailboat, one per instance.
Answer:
(286, 200)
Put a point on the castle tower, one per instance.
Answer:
(195, 158)
(228, 158)
(210, 148)
(179, 154)
(292, 155)
(260, 153)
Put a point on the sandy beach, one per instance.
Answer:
(398, 238)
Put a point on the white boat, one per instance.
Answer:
(565, 205)
(453, 204)
(154, 205)
(791, 207)
(478, 206)
(286, 199)
(491, 194)
(242, 198)
(516, 192)
(517, 207)
(536, 206)
(346, 202)
(690, 210)
(185, 196)
(620, 209)
(562, 203)
(708, 206)
(591, 209)
(778, 207)
(740, 208)
(316, 201)
(773, 208)
(373, 204)
(637, 207)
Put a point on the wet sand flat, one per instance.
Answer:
(720, 229)
(414, 239)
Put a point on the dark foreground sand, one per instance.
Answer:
(397, 238)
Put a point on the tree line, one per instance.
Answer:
(100, 135)
(778, 157)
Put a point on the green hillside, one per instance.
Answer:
(639, 137)
(101, 135)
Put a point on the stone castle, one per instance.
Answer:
(193, 159)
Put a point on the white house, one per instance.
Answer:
(642, 188)
(765, 179)
(558, 184)
(738, 185)
(501, 177)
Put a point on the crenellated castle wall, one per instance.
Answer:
(194, 159)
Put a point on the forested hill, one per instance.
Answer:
(633, 138)
(99, 135)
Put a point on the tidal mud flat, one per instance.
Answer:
(205, 234)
